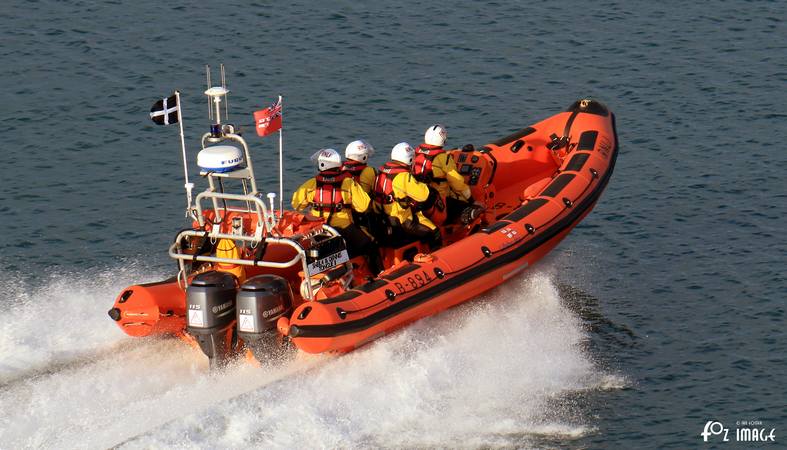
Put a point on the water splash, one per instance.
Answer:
(501, 370)
(494, 372)
(60, 320)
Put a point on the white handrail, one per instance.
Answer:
(174, 252)
(301, 254)
(262, 211)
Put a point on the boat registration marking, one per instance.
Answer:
(412, 282)
(329, 262)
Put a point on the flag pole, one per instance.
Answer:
(188, 186)
(281, 162)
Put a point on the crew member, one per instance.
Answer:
(356, 157)
(402, 198)
(333, 195)
(433, 165)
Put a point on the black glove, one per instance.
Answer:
(471, 213)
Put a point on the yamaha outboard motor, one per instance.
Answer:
(210, 299)
(261, 301)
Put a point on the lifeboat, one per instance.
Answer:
(538, 184)
(252, 279)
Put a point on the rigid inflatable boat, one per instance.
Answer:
(255, 280)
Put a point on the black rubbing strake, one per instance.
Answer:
(577, 161)
(558, 184)
(514, 136)
(349, 295)
(401, 271)
(523, 211)
(372, 286)
(587, 140)
(495, 226)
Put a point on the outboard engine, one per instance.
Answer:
(261, 301)
(210, 299)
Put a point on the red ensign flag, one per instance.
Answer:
(268, 120)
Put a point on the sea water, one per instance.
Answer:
(663, 310)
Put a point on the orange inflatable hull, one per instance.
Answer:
(479, 262)
(537, 184)
(150, 309)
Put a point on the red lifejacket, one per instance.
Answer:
(328, 196)
(354, 168)
(383, 183)
(422, 163)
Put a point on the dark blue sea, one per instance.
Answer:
(662, 312)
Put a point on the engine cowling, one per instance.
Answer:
(261, 301)
(210, 303)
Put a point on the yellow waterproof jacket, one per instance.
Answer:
(337, 207)
(361, 173)
(404, 188)
(446, 179)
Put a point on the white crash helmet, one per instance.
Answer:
(326, 159)
(359, 150)
(403, 153)
(435, 135)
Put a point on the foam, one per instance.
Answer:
(490, 373)
(60, 320)
(498, 371)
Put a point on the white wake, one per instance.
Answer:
(497, 371)
(59, 319)
(491, 373)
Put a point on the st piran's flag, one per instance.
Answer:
(165, 111)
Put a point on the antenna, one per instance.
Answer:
(215, 94)
(226, 96)
(210, 107)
